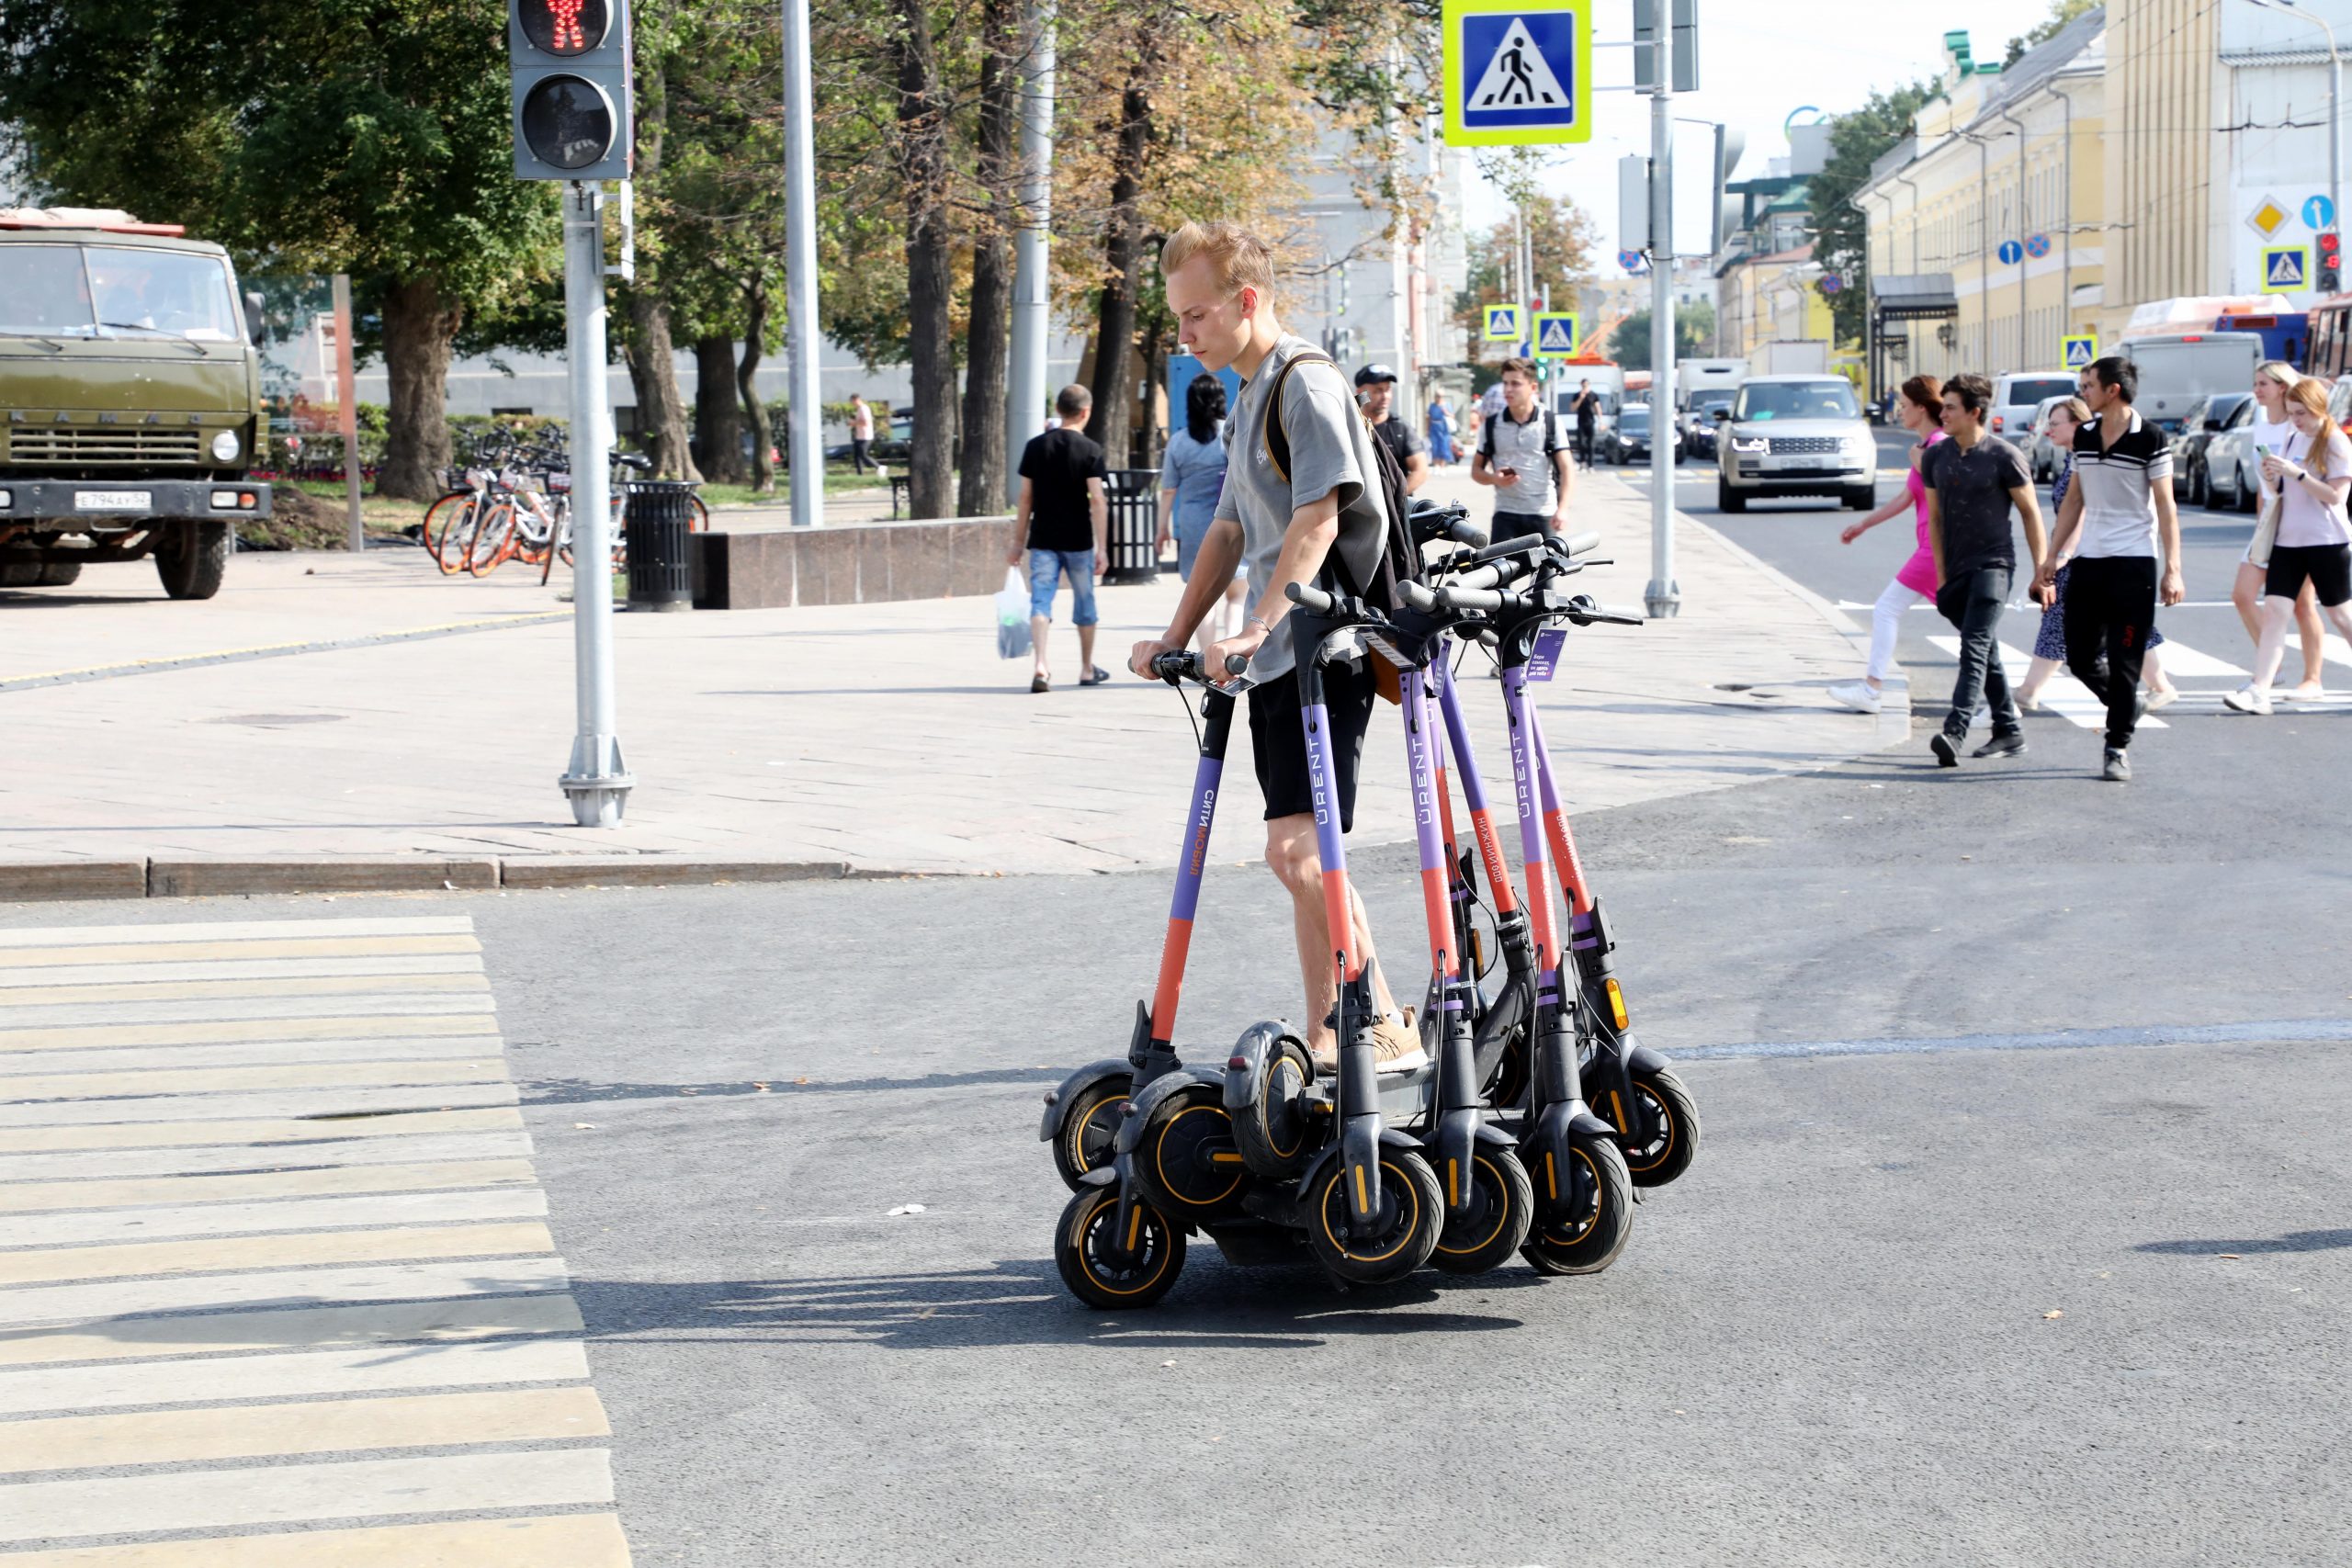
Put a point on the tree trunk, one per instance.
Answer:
(718, 416)
(420, 326)
(987, 345)
(653, 371)
(925, 169)
(747, 385)
(1114, 321)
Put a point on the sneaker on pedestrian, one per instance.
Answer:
(1859, 695)
(2163, 699)
(2247, 699)
(2119, 767)
(1395, 1048)
(1946, 748)
(2309, 691)
(2002, 746)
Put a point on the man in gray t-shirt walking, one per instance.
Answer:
(1288, 527)
(1520, 455)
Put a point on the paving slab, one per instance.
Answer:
(371, 714)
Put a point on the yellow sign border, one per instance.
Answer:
(2269, 251)
(1518, 313)
(2065, 338)
(1575, 333)
(1450, 41)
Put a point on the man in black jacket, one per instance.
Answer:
(1377, 391)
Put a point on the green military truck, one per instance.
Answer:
(129, 399)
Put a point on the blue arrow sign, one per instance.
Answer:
(2319, 213)
(2010, 252)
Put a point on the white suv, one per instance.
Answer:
(2017, 396)
(1795, 436)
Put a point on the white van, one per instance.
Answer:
(2177, 369)
(2017, 395)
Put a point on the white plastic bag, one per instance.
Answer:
(1013, 616)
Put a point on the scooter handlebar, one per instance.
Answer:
(1582, 545)
(1312, 599)
(1175, 667)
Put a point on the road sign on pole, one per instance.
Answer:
(1558, 333)
(2010, 252)
(1502, 324)
(2286, 266)
(2319, 213)
(1517, 73)
(2076, 350)
(2037, 246)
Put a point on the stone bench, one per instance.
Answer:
(869, 563)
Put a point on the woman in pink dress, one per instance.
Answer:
(1920, 408)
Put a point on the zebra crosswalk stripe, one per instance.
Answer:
(266, 1206)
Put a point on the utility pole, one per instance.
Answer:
(803, 337)
(1025, 402)
(598, 781)
(1663, 595)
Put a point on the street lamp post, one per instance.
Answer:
(805, 436)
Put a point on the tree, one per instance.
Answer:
(1694, 326)
(1005, 43)
(1564, 242)
(2060, 13)
(1841, 234)
(361, 136)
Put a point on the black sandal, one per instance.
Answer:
(1094, 677)
(1037, 684)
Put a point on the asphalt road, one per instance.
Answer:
(2021, 1234)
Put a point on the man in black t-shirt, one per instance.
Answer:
(1588, 412)
(1376, 392)
(1061, 525)
(1973, 481)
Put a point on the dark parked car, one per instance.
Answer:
(1630, 441)
(2205, 419)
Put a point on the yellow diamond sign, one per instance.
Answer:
(2268, 218)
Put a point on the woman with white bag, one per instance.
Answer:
(2272, 380)
(2312, 543)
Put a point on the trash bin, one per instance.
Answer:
(657, 522)
(1134, 525)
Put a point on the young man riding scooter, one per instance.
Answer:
(1219, 282)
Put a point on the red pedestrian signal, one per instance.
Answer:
(565, 26)
(2331, 262)
(567, 62)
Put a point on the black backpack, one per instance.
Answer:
(1399, 563)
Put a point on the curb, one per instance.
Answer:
(33, 882)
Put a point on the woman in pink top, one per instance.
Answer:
(1920, 408)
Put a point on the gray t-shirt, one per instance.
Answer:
(1972, 490)
(1329, 449)
(1508, 444)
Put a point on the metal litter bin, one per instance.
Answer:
(1134, 495)
(659, 518)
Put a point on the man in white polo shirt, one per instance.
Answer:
(2121, 497)
(1520, 454)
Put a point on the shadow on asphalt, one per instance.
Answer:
(580, 1091)
(1022, 1303)
(2293, 1241)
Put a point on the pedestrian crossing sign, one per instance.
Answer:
(2076, 350)
(1516, 71)
(2285, 266)
(1557, 334)
(1502, 324)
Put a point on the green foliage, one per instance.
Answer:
(2060, 13)
(1694, 326)
(1841, 232)
(1564, 238)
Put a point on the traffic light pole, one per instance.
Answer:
(1663, 595)
(598, 781)
(805, 429)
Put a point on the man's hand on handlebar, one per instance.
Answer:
(1251, 638)
(1139, 658)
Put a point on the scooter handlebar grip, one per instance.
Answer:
(1235, 663)
(1312, 599)
(1526, 544)
(1583, 544)
(1417, 596)
(1175, 667)
(1462, 531)
(1454, 598)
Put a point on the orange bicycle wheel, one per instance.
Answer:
(494, 541)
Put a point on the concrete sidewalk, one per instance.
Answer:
(338, 722)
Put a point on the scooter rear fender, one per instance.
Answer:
(1147, 1099)
(1060, 1100)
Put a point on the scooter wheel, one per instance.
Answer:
(1589, 1242)
(1502, 1207)
(1084, 1141)
(1186, 1162)
(1412, 1210)
(1669, 1154)
(1275, 1136)
(1103, 1272)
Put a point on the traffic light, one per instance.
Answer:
(2331, 262)
(568, 63)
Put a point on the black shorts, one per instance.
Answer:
(1516, 525)
(1277, 740)
(2328, 568)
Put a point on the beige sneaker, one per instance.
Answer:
(1395, 1048)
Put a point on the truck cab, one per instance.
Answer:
(129, 399)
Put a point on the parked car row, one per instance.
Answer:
(2216, 455)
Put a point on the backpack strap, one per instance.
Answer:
(1276, 439)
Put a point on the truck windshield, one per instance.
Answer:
(113, 290)
(1797, 400)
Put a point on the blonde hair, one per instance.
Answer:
(1237, 257)
(2076, 410)
(2279, 370)
(2308, 391)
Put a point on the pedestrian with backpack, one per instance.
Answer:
(1311, 497)
(1520, 454)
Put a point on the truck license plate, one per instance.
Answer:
(1808, 462)
(113, 500)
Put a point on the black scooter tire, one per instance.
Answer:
(1170, 1169)
(1083, 1142)
(1083, 1252)
(1403, 1245)
(1591, 1242)
(1499, 1226)
(1670, 1153)
(1276, 1139)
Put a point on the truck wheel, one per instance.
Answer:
(21, 573)
(1728, 498)
(59, 574)
(191, 558)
